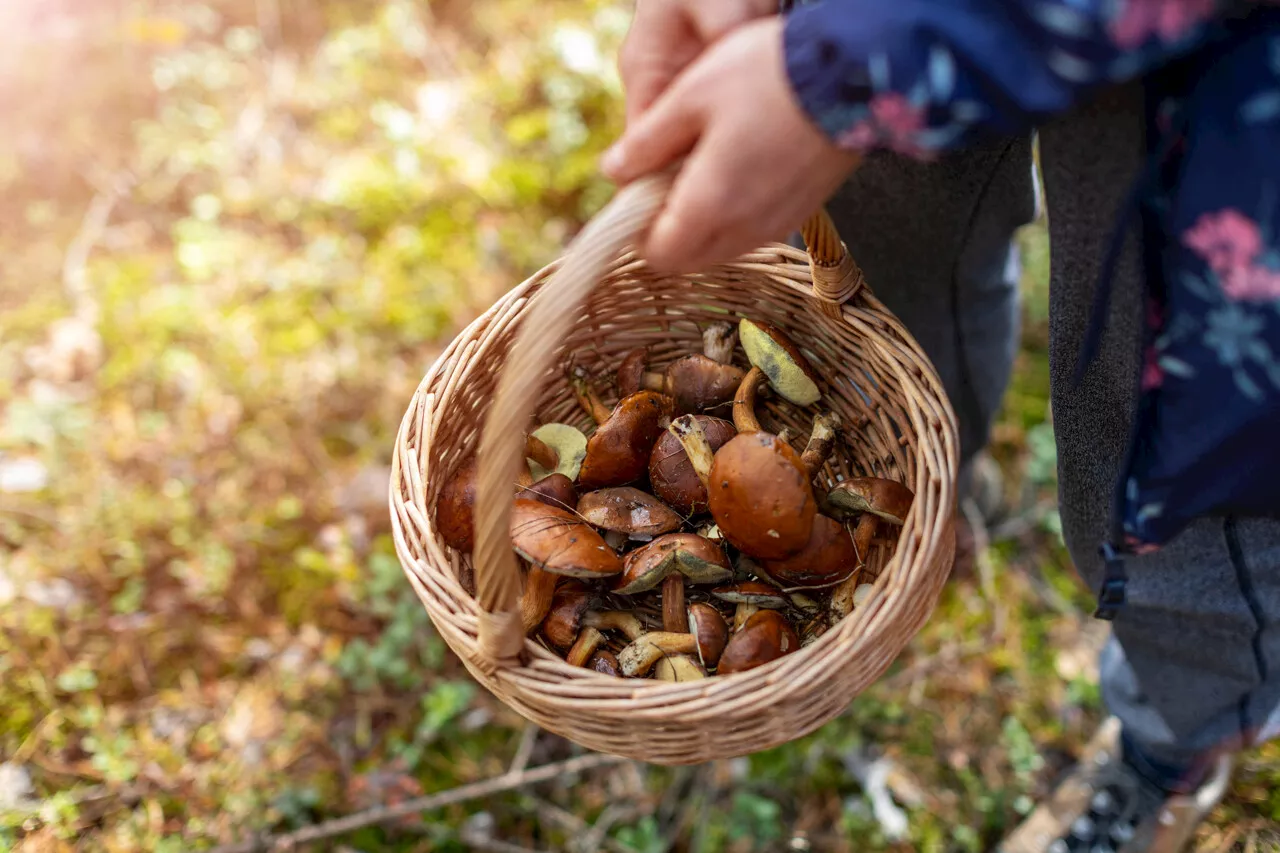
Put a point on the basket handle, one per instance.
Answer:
(547, 321)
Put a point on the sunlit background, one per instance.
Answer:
(233, 236)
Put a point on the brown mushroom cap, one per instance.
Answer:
(710, 630)
(828, 557)
(553, 490)
(672, 473)
(605, 663)
(455, 507)
(559, 542)
(752, 592)
(698, 559)
(789, 372)
(767, 636)
(697, 383)
(569, 446)
(618, 451)
(760, 496)
(570, 603)
(887, 499)
(627, 510)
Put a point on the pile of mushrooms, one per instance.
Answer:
(679, 539)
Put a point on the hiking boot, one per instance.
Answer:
(1106, 806)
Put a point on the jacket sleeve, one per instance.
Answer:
(920, 76)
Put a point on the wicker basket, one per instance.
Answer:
(494, 378)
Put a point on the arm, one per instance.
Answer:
(919, 76)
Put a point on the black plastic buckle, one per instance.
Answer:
(1111, 595)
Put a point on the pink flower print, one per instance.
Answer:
(894, 123)
(1227, 240)
(1138, 20)
(1138, 547)
(1152, 374)
(1251, 284)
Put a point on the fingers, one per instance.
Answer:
(698, 218)
(660, 135)
(660, 43)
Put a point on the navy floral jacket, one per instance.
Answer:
(922, 76)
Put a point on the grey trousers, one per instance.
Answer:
(1193, 665)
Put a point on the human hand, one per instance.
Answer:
(666, 35)
(756, 165)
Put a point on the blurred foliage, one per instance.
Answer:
(234, 236)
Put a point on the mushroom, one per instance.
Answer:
(555, 542)
(566, 447)
(827, 558)
(773, 353)
(765, 637)
(760, 495)
(678, 668)
(750, 596)
(877, 499)
(618, 451)
(553, 490)
(674, 474)
(674, 618)
(822, 441)
(849, 596)
(563, 621)
(455, 506)
(643, 652)
(605, 663)
(627, 510)
(687, 554)
(710, 631)
(695, 382)
(625, 623)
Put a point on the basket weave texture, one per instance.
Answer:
(595, 304)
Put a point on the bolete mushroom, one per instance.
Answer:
(827, 558)
(849, 596)
(750, 596)
(628, 510)
(678, 668)
(555, 543)
(605, 663)
(553, 490)
(674, 617)
(822, 442)
(695, 382)
(687, 554)
(456, 505)
(563, 622)
(566, 447)
(642, 653)
(773, 353)
(766, 636)
(878, 500)
(760, 495)
(710, 631)
(618, 451)
(625, 623)
(674, 475)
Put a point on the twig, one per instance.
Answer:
(528, 739)
(552, 813)
(386, 814)
(593, 840)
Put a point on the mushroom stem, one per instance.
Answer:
(718, 341)
(627, 624)
(693, 439)
(822, 442)
(651, 381)
(643, 652)
(535, 601)
(742, 614)
(744, 402)
(589, 639)
(538, 451)
(674, 617)
(862, 536)
(848, 595)
(588, 399)
(615, 539)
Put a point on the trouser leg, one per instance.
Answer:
(1192, 663)
(935, 243)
